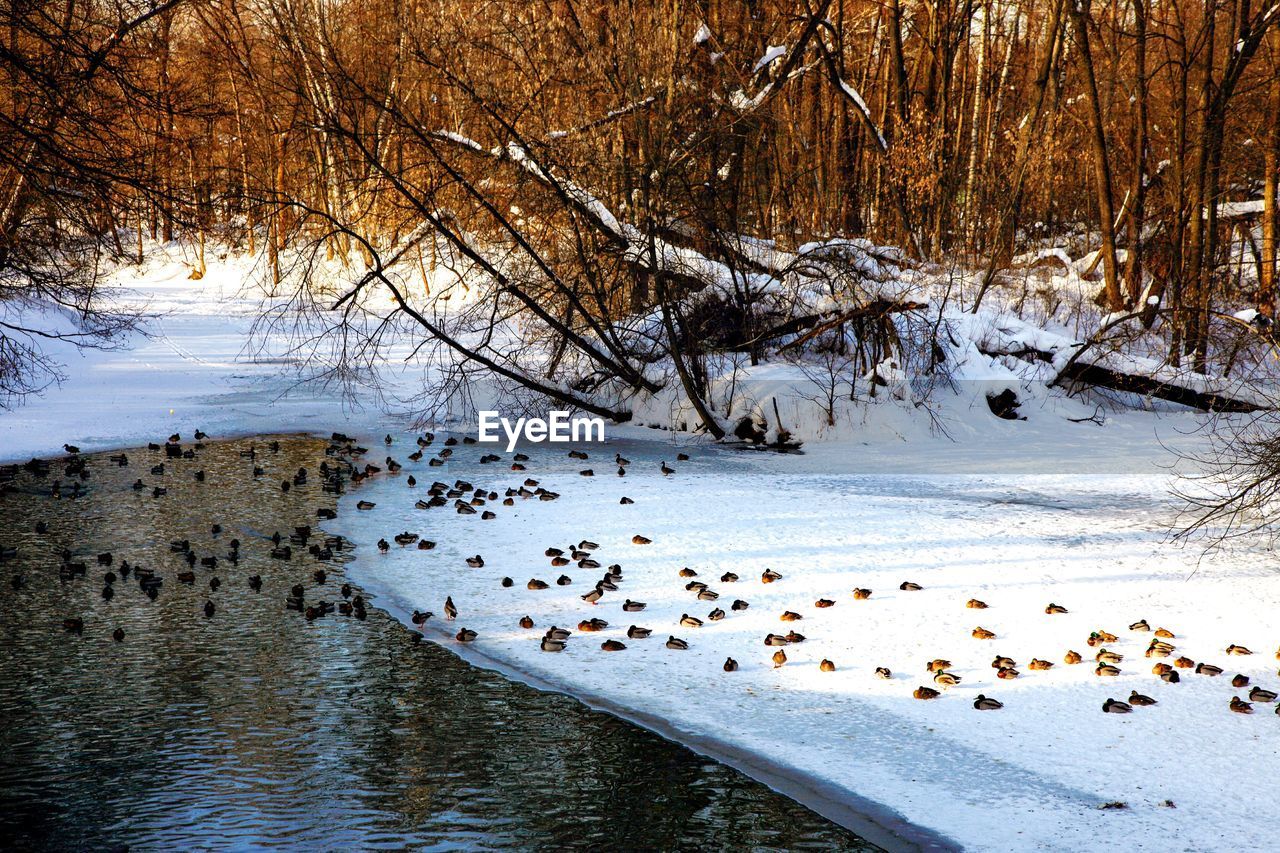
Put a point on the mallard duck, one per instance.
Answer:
(635, 632)
(937, 665)
(590, 625)
(1105, 656)
(730, 665)
(688, 621)
(209, 609)
(946, 679)
(365, 505)
(677, 644)
(626, 501)
(1098, 638)
(708, 595)
(1115, 706)
(1208, 669)
(687, 572)
(715, 615)
(775, 640)
(1001, 661)
(536, 584)
(790, 616)
(695, 586)
(1053, 609)
(826, 666)
(555, 633)
(981, 633)
(75, 625)
(593, 596)
(1165, 634)
(1136, 698)
(384, 546)
(507, 583)
(739, 604)
(1233, 649)
(559, 562)
(630, 606)
(526, 622)
(923, 692)
(1184, 663)
(682, 457)
(779, 658)
(450, 611)
(883, 672)
(466, 635)
(1240, 680)
(613, 646)
(793, 637)
(1257, 694)
(824, 602)
(1007, 673)
(728, 577)
(1240, 706)
(1140, 625)
(666, 469)
(985, 703)
(564, 580)
(1170, 677)
(769, 576)
(908, 586)
(1039, 665)
(861, 594)
(1158, 649)
(1106, 669)
(975, 604)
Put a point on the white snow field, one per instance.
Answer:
(1018, 514)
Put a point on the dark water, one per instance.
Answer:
(257, 727)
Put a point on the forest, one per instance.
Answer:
(629, 192)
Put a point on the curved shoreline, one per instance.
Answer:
(867, 818)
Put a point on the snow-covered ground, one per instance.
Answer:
(1015, 513)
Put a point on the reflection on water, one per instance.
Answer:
(257, 727)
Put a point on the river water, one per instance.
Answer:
(257, 726)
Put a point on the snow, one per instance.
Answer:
(773, 52)
(703, 35)
(1016, 513)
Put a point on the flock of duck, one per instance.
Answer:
(468, 499)
(343, 466)
(192, 566)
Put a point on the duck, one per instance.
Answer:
(1233, 649)
(625, 501)
(365, 505)
(1002, 662)
(925, 693)
(635, 632)
(861, 594)
(1040, 665)
(558, 562)
(586, 472)
(591, 625)
(75, 625)
(937, 665)
(209, 609)
(118, 635)
(728, 577)
(779, 658)
(1257, 694)
(1101, 638)
(613, 646)
(1054, 609)
(476, 562)
(1240, 680)
(908, 586)
(883, 672)
(677, 644)
(1208, 669)
(1240, 706)
(1170, 677)
(1115, 706)
(769, 576)
(981, 633)
(716, 615)
(564, 580)
(1105, 656)
(986, 703)
(1106, 669)
(826, 666)
(1184, 662)
(730, 665)
(556, 633)
(1136, 698)
(1140, 625)
(775, 640)
(593, 596)
(535, 584)
(384, 546)
(1007, 673)
(976, 604)
(1158, 649)
(946, 679)
(790, 616)
(687, 572)
(550, 645)
(824, 602)
(641, 540)
(738, 604)
(1165, 634)
(688, 621)
(419, 617)
(526, 622)
(630, 606)
(507, 583)
(793, 637)
(450, 610)
(666, 469)
(466, 635)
